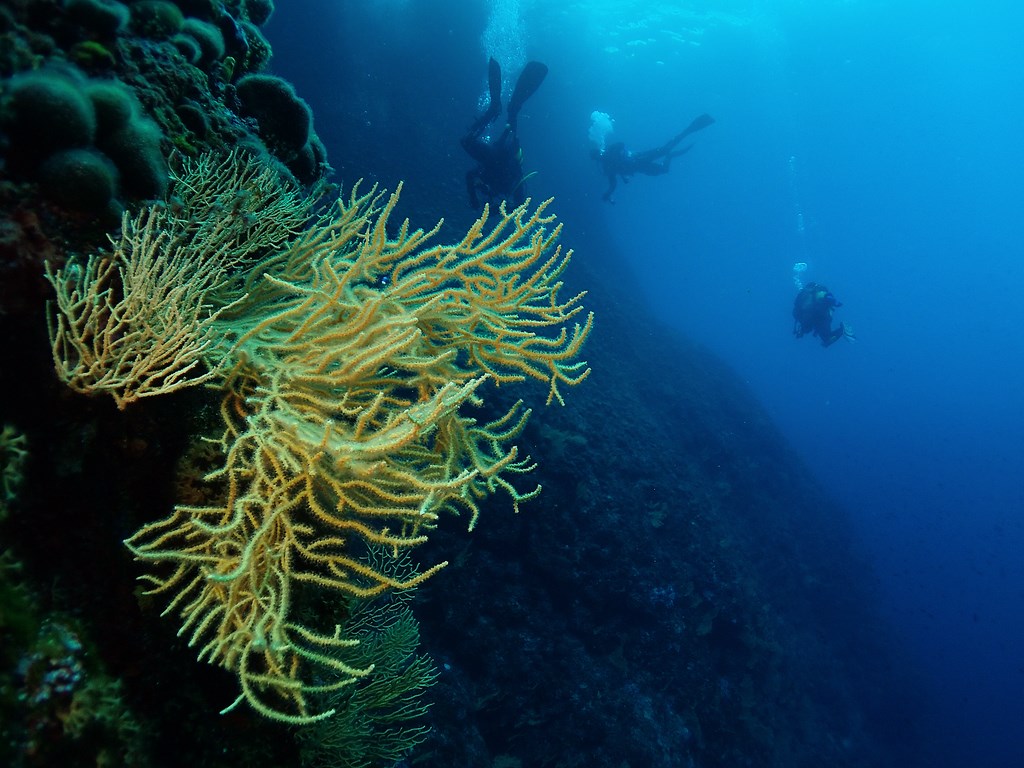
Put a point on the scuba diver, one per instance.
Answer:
(617, 161)
(498, 174)
(812, 313)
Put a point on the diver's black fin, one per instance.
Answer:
(494, 84)
(529, 81)
(699, 122)
(494, 106)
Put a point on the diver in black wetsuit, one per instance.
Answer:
(812, 313)
(617, 161)
(498, 174)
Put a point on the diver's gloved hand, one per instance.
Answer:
(847, 332)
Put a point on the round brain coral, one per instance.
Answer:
(158, 19)
(44, 112)
(188, 47)
(208, 38)
(259, 11)
(283, 118)
(113, 102)
(80, 180)
(102, 17)
(259, 51)
(135, 150)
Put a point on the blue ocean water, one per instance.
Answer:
(877, 142)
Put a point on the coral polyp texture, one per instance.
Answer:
(350, 355)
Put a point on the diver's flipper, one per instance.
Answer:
(529, 81)
(699, 122)
(494, 84)
(494, 105)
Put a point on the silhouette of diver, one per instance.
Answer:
(498, 174)
(617, 161)
(812, 313)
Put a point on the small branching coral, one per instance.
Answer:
(376, 721)
(348, 360)
(13, 458)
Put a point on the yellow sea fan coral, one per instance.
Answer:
(347, 359)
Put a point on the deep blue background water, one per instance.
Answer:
(881, 143)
